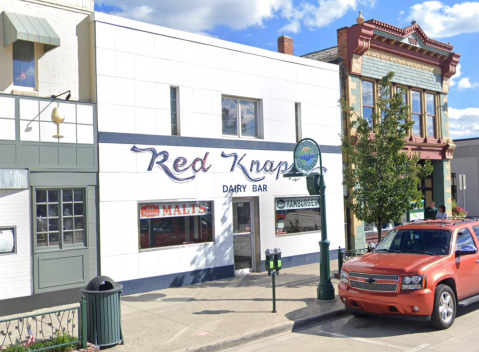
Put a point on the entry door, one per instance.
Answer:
(243, 234)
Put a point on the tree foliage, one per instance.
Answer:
(382, 178)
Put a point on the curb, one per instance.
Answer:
(284, 328)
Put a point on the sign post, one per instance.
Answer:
(306, 155)
(462, 186)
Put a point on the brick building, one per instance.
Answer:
(366, 52)
(48, 153)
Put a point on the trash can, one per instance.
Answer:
(103, 308)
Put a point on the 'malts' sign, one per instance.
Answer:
(253, 170)
(171, 210)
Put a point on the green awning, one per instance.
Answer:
(28, 28)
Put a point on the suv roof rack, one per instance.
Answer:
(453, 222)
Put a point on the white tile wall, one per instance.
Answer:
(136, 99)
(16, 275)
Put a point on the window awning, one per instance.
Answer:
(29, 28)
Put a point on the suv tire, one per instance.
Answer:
(444, 311)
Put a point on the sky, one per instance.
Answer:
(313, 23)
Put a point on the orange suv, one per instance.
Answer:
(420, 271)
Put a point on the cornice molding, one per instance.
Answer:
(415, 28)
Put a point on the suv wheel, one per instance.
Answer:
(444, 308)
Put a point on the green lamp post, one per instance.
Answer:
(306, 155)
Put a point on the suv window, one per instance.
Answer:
(476, 231)
(421, 241)
(464, 238)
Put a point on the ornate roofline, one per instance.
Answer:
(415, 28)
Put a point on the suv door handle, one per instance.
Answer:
(477, 261)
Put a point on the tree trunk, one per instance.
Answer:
(380, 228)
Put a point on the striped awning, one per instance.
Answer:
(28, 28)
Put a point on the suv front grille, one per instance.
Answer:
(373, 286)
(374, 276)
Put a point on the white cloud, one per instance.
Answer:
(463, 123)
(441, 21)
(456, 76)
(315, 17)
(202, 16)
(465, 83)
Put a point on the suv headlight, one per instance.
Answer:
(417, 282)
(344, 277)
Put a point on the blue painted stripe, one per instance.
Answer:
(194, 277)
(176, 280)
(178, 141)
(303, 259)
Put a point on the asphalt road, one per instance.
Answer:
(372, 334)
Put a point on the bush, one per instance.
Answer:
(59, 339)
(457, 211)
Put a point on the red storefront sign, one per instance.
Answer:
(171, 210)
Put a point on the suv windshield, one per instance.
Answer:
(433, 242)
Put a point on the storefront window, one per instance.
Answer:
(294, 215)
(172, 224)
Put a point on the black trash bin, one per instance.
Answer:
(103, 297)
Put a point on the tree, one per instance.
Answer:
(382, 178)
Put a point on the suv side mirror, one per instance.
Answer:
(466, 250)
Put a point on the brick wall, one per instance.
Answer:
(15, 272)
(343, 46)
(58, 68)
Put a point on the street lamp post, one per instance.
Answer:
(306, 155)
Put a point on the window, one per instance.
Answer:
(385, 94)
(60, 217)
(174, 110)
(403, 93)
(464, 238)
(172, 224)
(476, 231)
(294, 215)
(297, 119)
(240, 117)
(416, 113)
(454, 187)
(431, 115)
(24, 64)
(368, 101)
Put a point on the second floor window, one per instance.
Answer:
(174, 110)
(240, 117)
(416, 113)
(431, 115)
(24, 64)
(368, 101)
(297, 120)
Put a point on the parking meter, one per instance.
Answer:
(277, 259)
(269, 262)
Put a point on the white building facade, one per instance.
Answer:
(195, 135)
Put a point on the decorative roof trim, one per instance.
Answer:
(415, 28)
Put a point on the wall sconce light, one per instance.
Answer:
(67, 97)
(58, 117)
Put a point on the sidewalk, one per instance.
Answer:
(222, 314)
